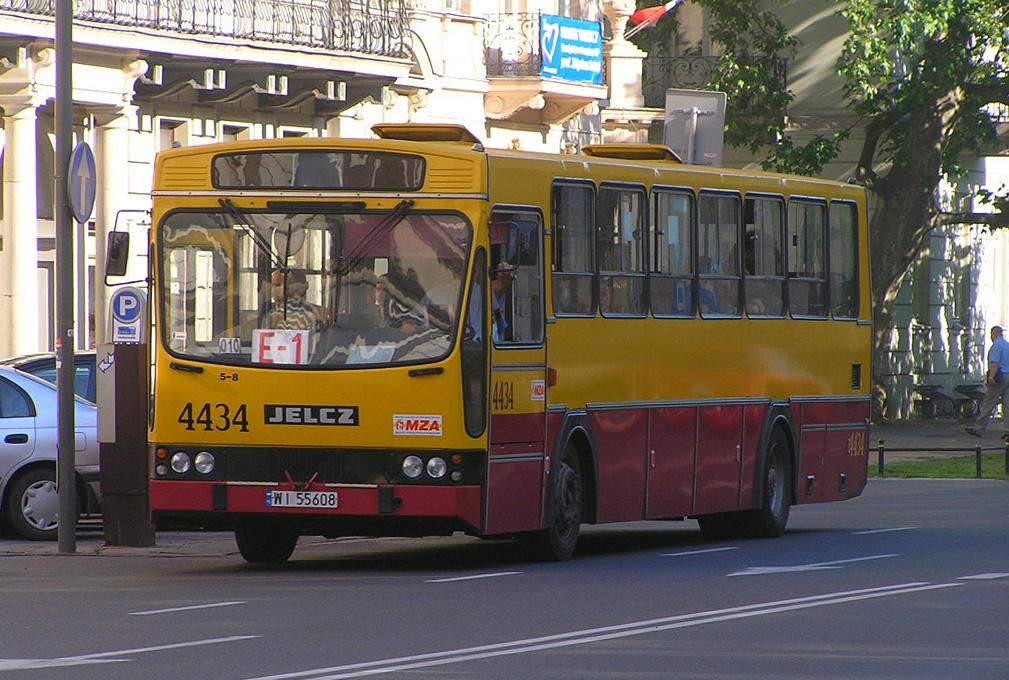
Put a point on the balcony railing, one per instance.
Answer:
(686, 73)
(512, 44)
(375, 27)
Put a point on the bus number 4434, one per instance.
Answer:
(210, 417)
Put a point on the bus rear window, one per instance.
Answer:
(319, 169)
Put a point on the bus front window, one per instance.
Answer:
(327, 290)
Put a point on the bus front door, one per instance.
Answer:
(517, 463)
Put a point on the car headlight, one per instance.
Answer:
(181, 462)
(204, 462)
(437, 467)
(413, 467)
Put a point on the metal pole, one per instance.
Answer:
(65, 475)
(977, 460)
(880, 449)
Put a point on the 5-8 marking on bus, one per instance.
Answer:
(503, 398)
(214, 417)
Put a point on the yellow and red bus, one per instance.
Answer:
(416, 335)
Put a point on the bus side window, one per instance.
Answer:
(807, 285)
(672, 255)
(844, 260)
(573, 221)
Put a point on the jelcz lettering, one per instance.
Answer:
(294, 414)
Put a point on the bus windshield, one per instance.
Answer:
(326, 287)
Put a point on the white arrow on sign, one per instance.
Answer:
(105, 364)
(816, 566)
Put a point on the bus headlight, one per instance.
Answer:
(181, 462)
(204, 462)
(413, 467)
(437, 467)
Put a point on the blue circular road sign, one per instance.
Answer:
(126, 305)
(82, 182)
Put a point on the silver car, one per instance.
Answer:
(28, 439)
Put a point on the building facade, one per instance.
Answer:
(152, 74)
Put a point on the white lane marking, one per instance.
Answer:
(982, 577)
(473, 577)
(816, 566)
(698, 552)
(882, 531)
(170, 610)
(591, 635)
(110, 657)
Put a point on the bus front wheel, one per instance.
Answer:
(264, 543)
(557, 542)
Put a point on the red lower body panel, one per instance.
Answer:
(176, 497)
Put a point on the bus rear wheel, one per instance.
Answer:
(770, 519)
(557, 542)
(262, 542)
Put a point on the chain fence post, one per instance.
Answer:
(879, 447)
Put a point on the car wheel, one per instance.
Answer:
(33, 505)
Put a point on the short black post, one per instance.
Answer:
(880, 449)
(1007, 458)
(977, 456)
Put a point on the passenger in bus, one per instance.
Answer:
(291, 311)
(504, 275)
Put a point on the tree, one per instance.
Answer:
(922, 77)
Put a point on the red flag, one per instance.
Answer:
(646, 17)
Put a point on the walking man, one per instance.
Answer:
(995, 385)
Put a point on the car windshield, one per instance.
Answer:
(305, 287)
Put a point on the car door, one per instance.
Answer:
(17, 426)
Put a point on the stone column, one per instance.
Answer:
(112, 139)
(19, 282)
(623, 58)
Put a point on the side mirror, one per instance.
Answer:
(117, 254)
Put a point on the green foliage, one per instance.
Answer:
(962, 467)
(905, 58)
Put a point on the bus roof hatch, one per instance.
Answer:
(421, 132)
(632, 152)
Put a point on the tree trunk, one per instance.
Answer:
(905, 214)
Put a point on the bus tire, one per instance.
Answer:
(262, 543)
(557, 542)
(770, 519)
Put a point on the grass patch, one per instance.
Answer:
(960, 467)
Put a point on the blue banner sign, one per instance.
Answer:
(572, 50)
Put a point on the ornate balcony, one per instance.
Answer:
(518, 89)
(687, 73)
(370, 27)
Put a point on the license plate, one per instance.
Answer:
(301, 499)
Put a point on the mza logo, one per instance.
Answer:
(419, 425)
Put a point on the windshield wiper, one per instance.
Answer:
(243, 222)
(356, 256)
